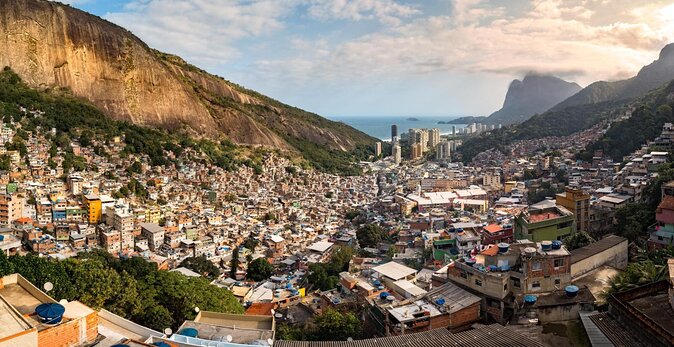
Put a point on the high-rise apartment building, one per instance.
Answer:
(377, 149)
(396, 152)
(433, 137)
(394, 132)
(443, 151)
(416, 151)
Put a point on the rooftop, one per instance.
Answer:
(11, 321)
(320, 246)
(596, 247)
(490, 335)
(394, 270)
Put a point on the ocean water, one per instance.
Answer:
(380, 127)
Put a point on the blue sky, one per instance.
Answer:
(403, 58)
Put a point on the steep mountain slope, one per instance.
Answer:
(534, 94)
(55, 46)
(650, 77)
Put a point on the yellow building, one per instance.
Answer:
(93, 208)
(578, 202)
(153, 215)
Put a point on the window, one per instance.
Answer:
(464, 274)
(558, 281)
(559, 262)
(505, 287)
(516, 282)
(535, 265)
(478, 282)
(535, 284)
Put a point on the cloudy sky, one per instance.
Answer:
(388, 57)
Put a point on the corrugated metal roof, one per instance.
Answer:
(483, 336)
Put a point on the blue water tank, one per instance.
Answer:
(50, 313)
(571, 291)
(440, 301)
(530, 299)
(503, 247)
(556, 244)
(493, 268)
(377, 283)
(470, 261)
(384, 295)
(546, 245)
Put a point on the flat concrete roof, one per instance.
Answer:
(20, 298)
(11, 322)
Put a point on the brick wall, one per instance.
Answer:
(64, 335)
(67, 334)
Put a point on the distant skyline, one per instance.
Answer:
(440, 58)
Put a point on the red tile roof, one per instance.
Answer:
(260, 309)
(491, 251)
(493, 228)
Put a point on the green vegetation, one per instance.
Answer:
(576, 118)
(325, 276)
(294, 125)
(260, 269)
(544, 191)
(331, 325)
(202, 266)
(636, 275)
(370, 235)
(75, 119)
(629, 135)
(578, 240)
(132, 288)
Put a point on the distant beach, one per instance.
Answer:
(380, 127)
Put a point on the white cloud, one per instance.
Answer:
(385, 11)
(553, 36)
(203, 31)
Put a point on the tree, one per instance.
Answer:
(636, 274)
(320, 278)
(260, 269)
(370, 235)
(202, 266)
(234, 263)
(5, 162)
(577, 240)
(632, 220)
(333, 325)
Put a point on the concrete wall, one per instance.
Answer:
(492, 285)
(615, 256)
(26, 338)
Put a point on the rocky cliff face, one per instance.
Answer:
(52, 45)
(533, 94)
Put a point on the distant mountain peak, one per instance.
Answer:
(667, 52)
(535, 93)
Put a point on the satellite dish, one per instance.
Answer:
(229, 338)
(196, 309)
(63, 302)
(48, 286)
(168, 331)
(270, 341)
